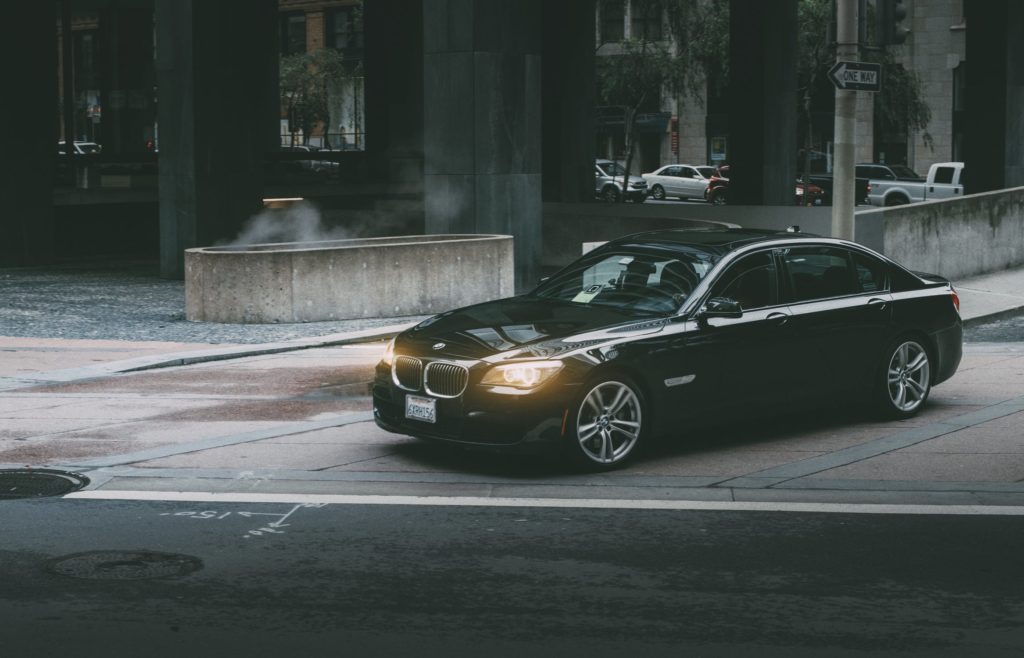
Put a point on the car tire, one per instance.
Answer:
(904, 378)
(607, 423)
(719, 198)
(658, 192)
(610, 194)
(897, 200)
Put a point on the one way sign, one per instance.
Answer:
(856, 76)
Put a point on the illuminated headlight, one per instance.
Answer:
(799, 191)
(521, 375)
(389, 353)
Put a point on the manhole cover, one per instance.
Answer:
(36, 483)
(124, 565)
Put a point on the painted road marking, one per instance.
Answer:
(477, 501)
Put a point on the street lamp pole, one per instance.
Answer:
(843, 179)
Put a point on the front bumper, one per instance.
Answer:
(478, 418)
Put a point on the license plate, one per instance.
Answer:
(424, 409)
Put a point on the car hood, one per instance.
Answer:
(522, 327)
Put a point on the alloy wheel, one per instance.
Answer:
(609, 423)
(658, 192)
(909, 377)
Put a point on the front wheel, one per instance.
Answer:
(658, 192)
(907, 372)
(607, 424)
(610, 194)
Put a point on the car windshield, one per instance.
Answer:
(643, 279)
(613, 169)
(903, 172)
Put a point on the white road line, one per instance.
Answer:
(579, 503)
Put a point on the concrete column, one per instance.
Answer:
(218, 112)
(762, 107)
(28, 61)
(994, 131)
(482, 122)
(394, 92)
(569, 101)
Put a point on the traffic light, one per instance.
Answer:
(889, 15)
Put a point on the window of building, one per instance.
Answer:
(345, 31)
(647, 23)
(613, 20)
(293, 33)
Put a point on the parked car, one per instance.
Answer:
(676, 180)
(643, 336)
(945, 180)
(312, 162)
(717, 191)
(880, 171)
(808, 194)
(825, 182)
(79, 147)
(608, 178)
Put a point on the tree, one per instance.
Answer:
(306, 80)
(899, 104)
(683, 61)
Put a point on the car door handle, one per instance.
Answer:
(877, 304)
(777, 319)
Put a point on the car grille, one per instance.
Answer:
(408, 372)
(446, 380)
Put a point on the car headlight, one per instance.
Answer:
(528, 374)
(389, 353)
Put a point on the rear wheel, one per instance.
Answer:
(718, 198)
(608, 424)
(658, 192)
(907, 378)
(897, 200)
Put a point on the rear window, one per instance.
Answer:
(944, 174)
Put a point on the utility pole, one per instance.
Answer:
(843, 183)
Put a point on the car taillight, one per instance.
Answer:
(956, 298)
(869, 189)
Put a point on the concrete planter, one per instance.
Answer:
(346, 279)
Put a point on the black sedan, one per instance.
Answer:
(639, 337)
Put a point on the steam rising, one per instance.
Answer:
(300, 222)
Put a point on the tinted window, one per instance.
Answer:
(870, 273)
(905, 172)
(819, 273)
(751, 281)
(943, 174)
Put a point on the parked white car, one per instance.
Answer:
(676, 180)
(944, 181)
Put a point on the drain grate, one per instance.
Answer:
(37, 483)
(124, 565)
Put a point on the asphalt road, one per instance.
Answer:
(125, 578)
(1002, 330)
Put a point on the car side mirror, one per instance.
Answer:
(719, 307)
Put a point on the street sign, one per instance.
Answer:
(856, 76)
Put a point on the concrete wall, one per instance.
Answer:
(344, 279)
(955, 238)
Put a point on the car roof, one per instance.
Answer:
(717, 240)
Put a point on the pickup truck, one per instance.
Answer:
(945, 180)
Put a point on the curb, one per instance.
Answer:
(205, 356)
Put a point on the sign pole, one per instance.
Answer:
(843, 178)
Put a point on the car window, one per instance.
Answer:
(752, 281)
(905, 172)
(943, 175)
(632, 279)
(672, 171)
(870, 273)
(820, 273)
